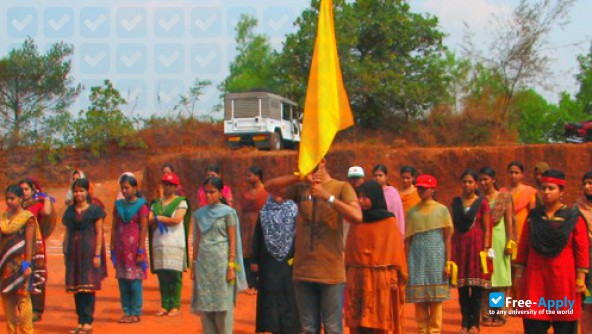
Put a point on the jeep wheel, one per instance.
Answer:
(275, 141)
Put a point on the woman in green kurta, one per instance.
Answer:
(218, 270)
(502, 235)
(169, 226)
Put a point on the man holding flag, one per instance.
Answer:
(323, 202)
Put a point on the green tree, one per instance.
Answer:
(254, 65)
(539, 121)
(393, 60)
(188, 101)
(584, 96)
(536, 116)
(516, 56)
(103, 122)
(34, 88)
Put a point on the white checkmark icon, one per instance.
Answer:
(203, 25)
(168, 61)
(167, 97)
(129, 25)
(207, 60)
(57, 25)
(496, 300)
(94, 61)
(20, 25)
(94, 25)
(279, 23)
(167, 25)
(130, 61)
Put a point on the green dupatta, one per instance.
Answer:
(159, 210)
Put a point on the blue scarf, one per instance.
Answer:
(127, 210)
(278, 221)
(205, 218)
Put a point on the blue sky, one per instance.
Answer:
(153, 49)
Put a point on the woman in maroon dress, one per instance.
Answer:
(472, 234)
(553, 260)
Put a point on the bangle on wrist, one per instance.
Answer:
(99, 256)
(141, 252)
(231, 264)
(579, 282)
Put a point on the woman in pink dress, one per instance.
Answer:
(394, 204)
(214, 171)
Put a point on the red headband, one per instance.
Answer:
(555, 180)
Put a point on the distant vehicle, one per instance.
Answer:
(578, 132)
(261, 119)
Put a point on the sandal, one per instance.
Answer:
(134, 318)
(174, 312)
(85, 330)
(474, 330)
(126, 319)
(463, 331)
(487, 321)
(161, 312)
(75, 330)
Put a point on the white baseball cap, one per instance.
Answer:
(355, 171)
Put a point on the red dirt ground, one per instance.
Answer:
(60, 313)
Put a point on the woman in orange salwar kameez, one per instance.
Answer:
(524, 196)
(409, 195)
(376, 267)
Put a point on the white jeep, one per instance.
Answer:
(261, 119)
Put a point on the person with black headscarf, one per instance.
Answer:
(553, 260)
(376, 267)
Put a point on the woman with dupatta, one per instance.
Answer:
(128, 247)
(272, 257)
(253, 200)
(391, 196)
(22, 263)
(169, 221)
(472, 235)
(409, 195)
(524, 197)
(502, 239)
(376, 267)
(44, 213)
(553, 259)
(427, 245)
(84, 253)
(218, 270)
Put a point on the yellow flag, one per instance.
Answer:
(326, 110)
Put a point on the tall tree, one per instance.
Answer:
(393, 60)
(516, 53)
(254, 65)
(34, 87)
(584, 96)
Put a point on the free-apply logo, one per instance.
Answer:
(496, 299)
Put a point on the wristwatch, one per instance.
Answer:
(331, 200)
